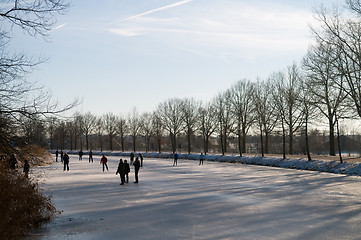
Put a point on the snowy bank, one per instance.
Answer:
(300, 163)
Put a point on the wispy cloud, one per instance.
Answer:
(242, 29)
(153, 11)
(60, 26)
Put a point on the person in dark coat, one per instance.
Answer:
(175, 159)
(104, 161)
(66, 161)
(136, 169)
(131, 158)
(201, 158)
(81, 155)
(26, 168)
(56, 155)
(90, 156)
(120, 170)
(141, 159)
(126, 170)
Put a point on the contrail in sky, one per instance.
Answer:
(154, 10)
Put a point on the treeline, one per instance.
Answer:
(324, 87)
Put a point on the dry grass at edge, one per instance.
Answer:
(22, 205)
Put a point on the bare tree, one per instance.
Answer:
(280, 102)
(99, 130)
(89, 125)
(147, 128)
(51, 126)
(242, 110)
(190, 112)
(110, 127)
(265, 114)
(319, 64)
(222, 106)
(122, 130)
(134, 125)
(61, 132)
(171, 115)
(207, 124)
(33, 131)
(354, 5)
(342, 34)
(309, 112)
(18, 97)
(158, 130)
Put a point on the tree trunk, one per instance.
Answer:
(262, 148)
(332, 138)
(243, 138)
(290, 146)
(189, 141)
(283, 140)
(87, 141)
(266, 145)
(134, 143)
(122, 142)
(306, 137)
(339, 141)
(110, 142)
(239, 142)
(159, 141)
(101, 142)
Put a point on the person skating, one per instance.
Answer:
(26, 168)
(90, 156)
(121, 171)
(81, 155)
(175, 163)
(66, 161)
(56, 155)
(201, 158)
(104, 161)
(131, 158)
(141, 159)
(136, 169)
(126, 170)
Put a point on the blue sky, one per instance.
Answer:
(115, 55)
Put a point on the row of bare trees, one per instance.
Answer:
(322, 89)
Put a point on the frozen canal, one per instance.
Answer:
(213, 201)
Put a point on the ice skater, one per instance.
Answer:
(121, 171)
(90, 156)
(175, 163)
(201, 158)
(56, 155)
(136, 169)
(126, 170)
(26, 168)
(131, 158)
(66, 161)
(141, 159)
(81, 155)
(104, 161)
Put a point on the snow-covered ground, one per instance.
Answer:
(214, 201)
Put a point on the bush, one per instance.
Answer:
(22, 206)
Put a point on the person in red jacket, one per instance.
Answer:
(104, 161)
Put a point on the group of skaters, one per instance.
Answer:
(123, 167)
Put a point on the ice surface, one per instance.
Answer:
(214, 201)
